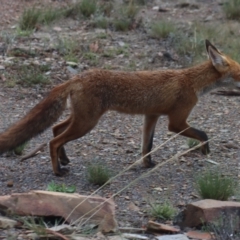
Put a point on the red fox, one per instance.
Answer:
(152, 93)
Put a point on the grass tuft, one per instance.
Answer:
(164, 211)
(28, 75)
(29, 19)
(88, 7)
(126, 17)
(98, 174)
(19, 150)
(232, 9)
(162, 29)
(49, 15)
(69, 49)
(101, 22)
(213, 185)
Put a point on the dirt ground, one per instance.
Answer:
(116, 140)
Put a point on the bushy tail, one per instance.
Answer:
(42, 116)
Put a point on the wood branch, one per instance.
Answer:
(227, 93)
(33, 152)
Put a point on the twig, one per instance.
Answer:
(33, 152)
(227, 93)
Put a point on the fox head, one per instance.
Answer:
(227, 67)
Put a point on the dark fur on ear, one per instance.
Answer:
(208, 44)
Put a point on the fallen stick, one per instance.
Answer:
(33, 152)
(227, 93)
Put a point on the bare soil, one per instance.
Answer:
(116, 140)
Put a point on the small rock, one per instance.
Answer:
(199, 235)
(133, 207)
(57, 29)
(10, 183)
(64, 228)
(7, 223)
(73, 64)
(208, 18)
(72, 70)
(134, 236)
(159, 227)
(173, 237)
(156, 8)
(121, 44)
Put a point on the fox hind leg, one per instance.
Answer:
(147, 138)
(77, 128)
(58, 129)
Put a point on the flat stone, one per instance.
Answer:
(159, 227)
(72, 207)
(199, 235)
(204, 211)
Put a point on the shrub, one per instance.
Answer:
(98, 174)
(163, 211)
(213, 185)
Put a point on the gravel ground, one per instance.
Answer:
(115, 142)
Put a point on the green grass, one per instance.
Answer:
(101, 22)
(106, 8)
(164, 211)
(29, 19)
(53, 187)
(162, 29)
(98, 174)
(91, 58)
(122, 24)
(28, 75)
(84, 8)
(69, 49)
(130, 10)
(192, 142)
(125, 17)
(49, 15)
(192, 44)
(232, 9)
(33, 17)
(19, 150)
(213, 185)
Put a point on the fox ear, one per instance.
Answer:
(219, 61)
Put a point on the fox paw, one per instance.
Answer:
(61, 172)
(64, 161)
(148, 163)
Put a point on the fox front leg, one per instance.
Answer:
(147, 138)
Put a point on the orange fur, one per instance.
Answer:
(152, 93)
